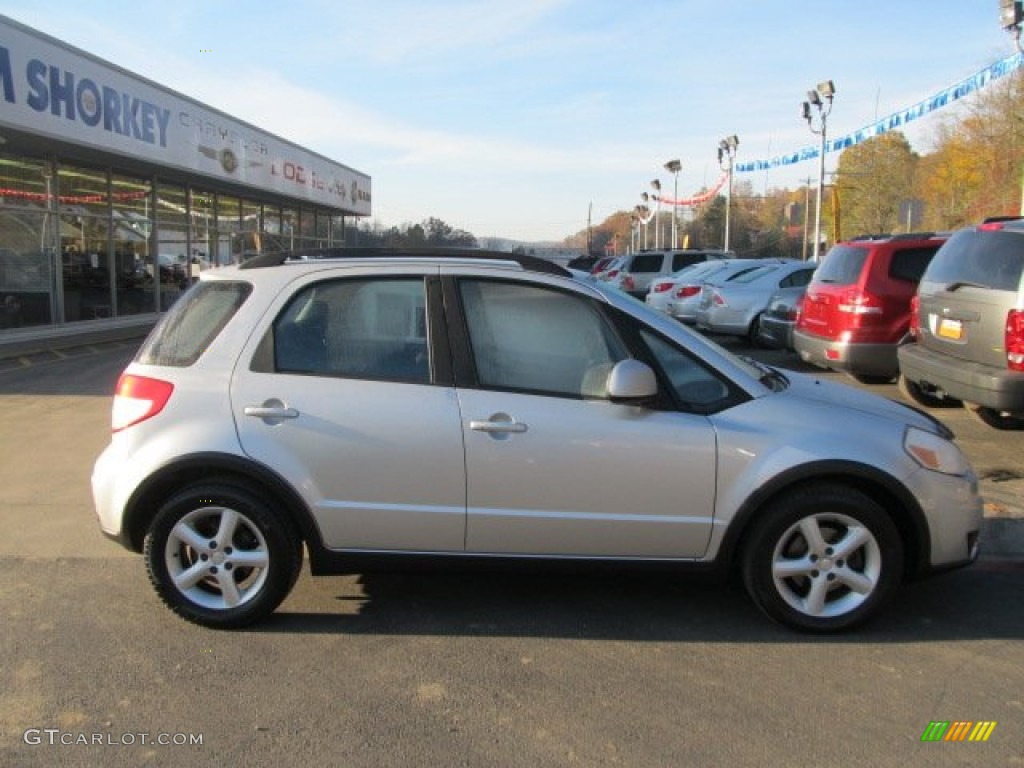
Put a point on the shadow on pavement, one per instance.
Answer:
(966, 604)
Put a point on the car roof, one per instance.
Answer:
(433, 254)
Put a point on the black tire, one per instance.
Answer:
(913, 392)
(871, 379)
(993, 418)
(811, 586)
(754, 331)
(218, 556)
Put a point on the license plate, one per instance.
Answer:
(951, 329)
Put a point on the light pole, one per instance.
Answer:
(821, 99)
(674, 167)
(727, 153)
(643, 214)
(656, 186)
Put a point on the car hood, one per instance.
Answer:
(810, 387)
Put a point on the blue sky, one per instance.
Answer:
(509, 118)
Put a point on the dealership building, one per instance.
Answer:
(115, 191)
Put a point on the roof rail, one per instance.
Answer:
(899, 236)
(997, 219)
(529, 263)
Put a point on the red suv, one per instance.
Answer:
(856, 312)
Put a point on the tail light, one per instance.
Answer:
(628, 283)
(718, 300)
(687, 291)
(1015, 340)
(915, 316)
(857, 302)
(611, 275)
(661, 287)
(138, 398)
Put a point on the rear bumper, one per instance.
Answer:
(851, 357)
(983, 385)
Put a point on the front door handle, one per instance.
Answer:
(499, 425)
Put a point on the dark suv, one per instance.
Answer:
(969, 323)
(856, 312)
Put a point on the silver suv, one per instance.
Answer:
(468, 407)
(968, 320)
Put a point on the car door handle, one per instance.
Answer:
(273, 411)
(499, 424)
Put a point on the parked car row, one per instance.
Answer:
(942, 312)
(634, 272)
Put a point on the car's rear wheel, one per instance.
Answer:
(754, 331)
(218, 556)
(993, 418)
(822, 558)
(915, 393)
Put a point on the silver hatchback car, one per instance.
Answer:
(390, 408)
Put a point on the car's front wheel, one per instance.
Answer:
(218, 556)
(822, 558)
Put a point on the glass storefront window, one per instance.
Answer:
(85, 267)
(229, 225)
(171, 267)
(83, 190)
(289, 239)
(249, 241)
(132, 225)
(203, 216)
(26, 243)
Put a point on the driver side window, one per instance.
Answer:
(532, 339)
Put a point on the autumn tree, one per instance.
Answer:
(874, 179)
(975, 169)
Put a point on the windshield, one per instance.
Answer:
(842, 265)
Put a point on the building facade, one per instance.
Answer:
(115, 191)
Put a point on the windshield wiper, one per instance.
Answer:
(772, 378)
(965, 284)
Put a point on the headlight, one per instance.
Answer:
(934, 452)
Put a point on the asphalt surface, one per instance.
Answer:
(457, 670)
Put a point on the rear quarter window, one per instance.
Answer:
(909, 264)
(991, 259)
(192, 323)
(646, 262)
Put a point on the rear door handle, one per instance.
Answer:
(272, 411)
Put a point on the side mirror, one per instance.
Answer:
(631, 381)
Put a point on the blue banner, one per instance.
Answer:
(896, 120)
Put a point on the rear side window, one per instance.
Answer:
(680, 260)
(192, 323)
(750, 275)
(842, 265)
(990, 259)
(646, 262)
(910, 263)
(359, 328)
